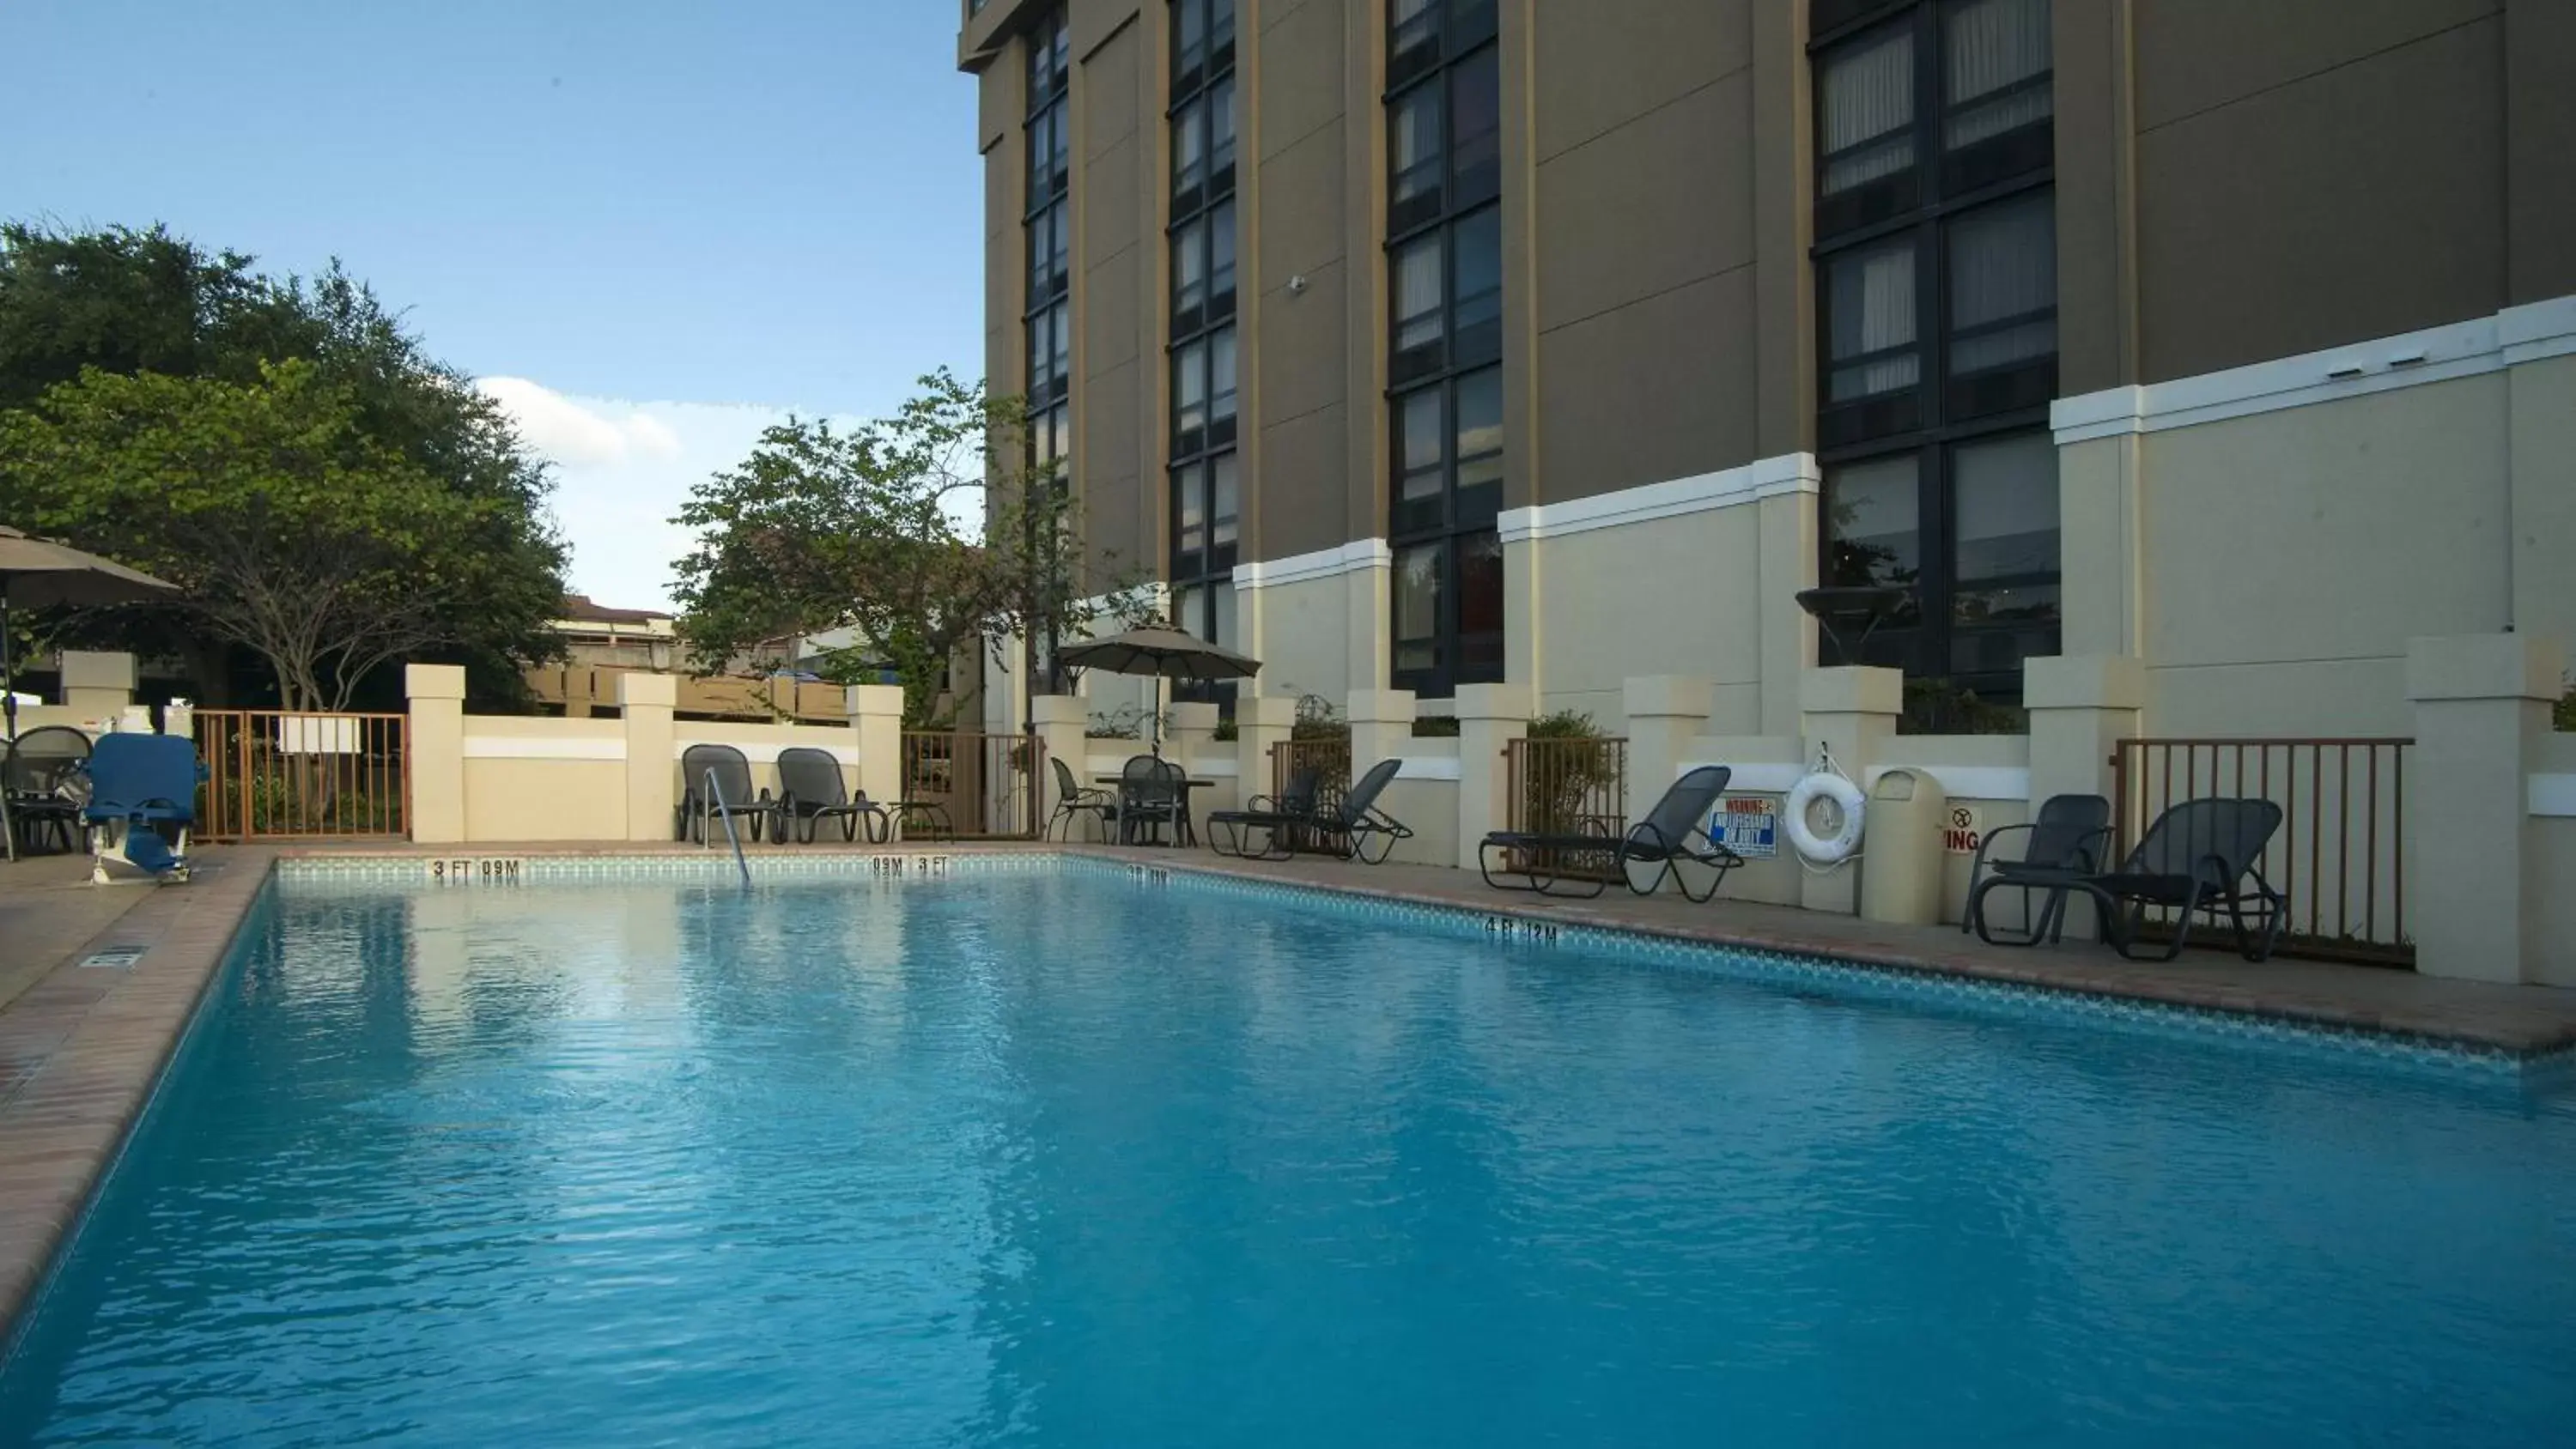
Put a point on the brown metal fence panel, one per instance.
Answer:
(2339, 854)
(963, 786)
(278, 774)
(1567, 787)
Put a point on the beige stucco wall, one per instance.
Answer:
(2288, 556)
(1677, 595)
(1303, 638)
(544, 797)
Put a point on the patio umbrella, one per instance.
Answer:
(1161, 653)
(39, 573)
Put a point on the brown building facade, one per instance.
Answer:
(1422, 343)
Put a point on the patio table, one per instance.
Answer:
(1183, 829)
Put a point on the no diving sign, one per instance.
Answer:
(1749, 825)
(1959, 833)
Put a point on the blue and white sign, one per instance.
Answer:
(1749, 825)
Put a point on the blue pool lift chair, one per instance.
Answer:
(142, 799)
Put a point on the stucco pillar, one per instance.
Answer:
(1490, 716)
(1381, 724)
(2100, 485)
(1371, 622)
(2481, 710)
(1190, 741)
(1787, 564)
(2081, 706)
(434, 748)
(1524, 642)
(1060, 721)
(99, 685)
(1665, 713)
(1850, 713)
(875, 712)
(1261, 721)
(644, 706)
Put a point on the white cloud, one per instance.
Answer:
(567, 432)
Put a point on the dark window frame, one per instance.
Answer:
(1202, 80)
(1935, 417)
(1434, 57)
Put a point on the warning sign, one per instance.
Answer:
(1749, 825)
(1959, 834)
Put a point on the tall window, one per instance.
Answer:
(1445, 342)
(1936, 283)
(1206, 498)
(1047, 225)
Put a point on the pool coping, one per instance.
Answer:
(113, 1031)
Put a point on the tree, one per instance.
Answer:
(902, 530)
(129, 302)
(294, 531)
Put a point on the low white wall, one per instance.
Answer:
(528, 778)
(2551, 862)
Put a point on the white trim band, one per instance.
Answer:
(767, 754)
(1427, 767)
(1751, 483)
(1966, 782)
(1350, 558)
(545, 747)
(2515, 335)
(2553, 796)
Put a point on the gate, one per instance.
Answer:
(284, 775)
(962, 786)
(2339, 854)
(1567, 787)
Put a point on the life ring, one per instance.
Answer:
(1845, 795)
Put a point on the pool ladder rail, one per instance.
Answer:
(717, 804)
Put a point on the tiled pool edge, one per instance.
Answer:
(63, 1129)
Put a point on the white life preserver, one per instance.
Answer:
(1824, 850)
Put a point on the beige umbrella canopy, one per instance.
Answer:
(1162, 653)
(40, 573)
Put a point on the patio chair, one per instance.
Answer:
(142, 799)
(699, 811)
(43, 773)
(2072, 834)
(1275, 819)
(811, 790)
(1674, 831)
(1074, 800)
(1148, 798)
(2200, 855)
(1355, 829)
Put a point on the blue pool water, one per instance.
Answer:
(1058, 1159)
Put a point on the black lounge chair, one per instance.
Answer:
(1676, 830)
(699, 811)
(2071, 835)
(1353, 830)
(811, 791)
(2200, 855)
(1073, 800)
(1231, 831)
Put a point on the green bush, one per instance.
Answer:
(1436, 727)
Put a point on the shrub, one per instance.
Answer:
(1436, 727)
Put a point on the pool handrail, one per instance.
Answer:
(715, 797)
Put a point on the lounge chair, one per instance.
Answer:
(142, 799)
(1148, 799)
(1353, 830)
(1674, 831)
(699, 811)
(811, 790)
(2072, 836)
(43, 776)
(2200, 855)
(1074, 800)
(1230, 831)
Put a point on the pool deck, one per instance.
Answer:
(82, 1045)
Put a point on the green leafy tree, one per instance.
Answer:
(295, 532)
(130, 302)
(902, 530)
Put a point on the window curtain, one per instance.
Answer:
(1989, 45)
(1869, 93)
(1417, 294)
(2003, 264)
(1873, 309)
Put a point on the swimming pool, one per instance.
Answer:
(1057, 1156)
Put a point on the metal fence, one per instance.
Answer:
(963, 786)
(1329, 756)
(2340, 852)
(276, 774)
(1567, 787)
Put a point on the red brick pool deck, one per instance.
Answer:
(81, 1046)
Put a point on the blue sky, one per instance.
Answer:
(654, 226)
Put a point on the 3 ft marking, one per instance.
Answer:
(908, 865)
(471, 869)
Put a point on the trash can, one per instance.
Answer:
(1900, 863)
